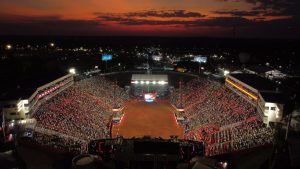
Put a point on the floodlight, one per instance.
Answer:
(226, 72)
(72, 71)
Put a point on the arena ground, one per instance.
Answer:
(154, 119)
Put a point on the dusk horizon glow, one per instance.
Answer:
(206, 18)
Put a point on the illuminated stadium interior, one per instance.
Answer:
(100, 108)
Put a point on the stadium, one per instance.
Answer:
(74, 113)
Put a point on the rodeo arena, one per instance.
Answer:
(77, 114)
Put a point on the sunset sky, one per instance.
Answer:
(209, 18)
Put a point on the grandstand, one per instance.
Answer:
(27, 101)
(226, 121)
(69, 114)
(83, 111)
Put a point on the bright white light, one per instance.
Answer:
(162, 82)
(225, 164)
(142, 82)
(147, 82)
(226, 72)
(8, 46)
(135, 82)
(96, 67)
(154, 82)
(72, 71)
(52, 44)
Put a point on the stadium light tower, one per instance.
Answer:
(72, 71)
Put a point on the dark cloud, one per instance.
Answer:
(238, 13)
(218, 21)
(258, 27)
(224, 22)
(158, 13)
(133, 21)
(165, 14)
(231, 21)
(276, 7)
(130, 18)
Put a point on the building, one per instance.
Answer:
(261, 93)
(21, 103)
(265, 71)
(271, 105)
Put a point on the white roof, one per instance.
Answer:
(149, 77)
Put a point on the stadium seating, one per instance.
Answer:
(225, 121)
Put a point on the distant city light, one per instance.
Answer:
(8, 47)
(72, 71)
(52, 44)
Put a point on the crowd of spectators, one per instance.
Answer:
(58, 144)
(82, 111)
(216, 115)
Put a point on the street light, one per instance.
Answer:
(8, 47)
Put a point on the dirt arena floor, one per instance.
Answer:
(153, 119)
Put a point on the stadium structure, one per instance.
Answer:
(99, 116)
(261, 93)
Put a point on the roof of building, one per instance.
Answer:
(258, 68)
(274, 97)
(255, 81)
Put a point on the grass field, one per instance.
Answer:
(153, 119)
